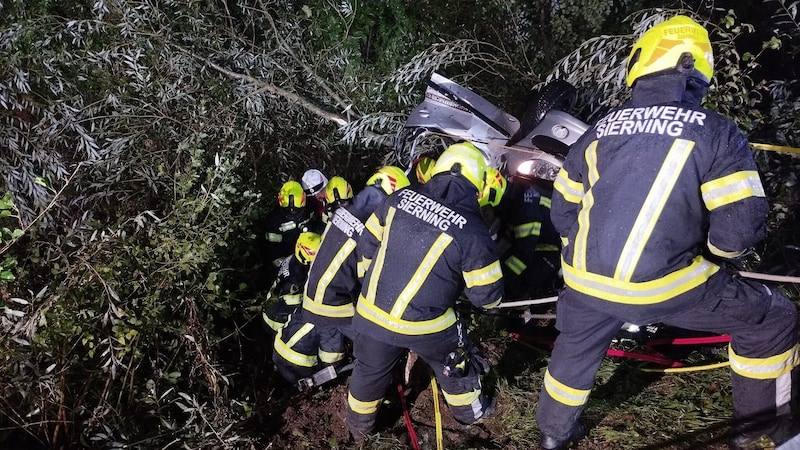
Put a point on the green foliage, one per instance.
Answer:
(8, 236)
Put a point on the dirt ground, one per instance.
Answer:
(316, 420)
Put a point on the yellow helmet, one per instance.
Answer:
(305, 249)
(471, 163)
(662, 48)
(291, 195)
(424, 168)
(494, 188)
(338, 190)
(389, 178)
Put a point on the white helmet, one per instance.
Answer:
(313, 181)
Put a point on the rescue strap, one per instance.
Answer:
(775, 148)
(407, 418)
(654, 357)
(437, 413)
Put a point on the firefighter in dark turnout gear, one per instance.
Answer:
(638, 198)
(315, 335)
(424, 245)
(286, 293)
(284, 223)
(338, 193)
(532, 262)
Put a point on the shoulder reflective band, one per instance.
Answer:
(775, 148)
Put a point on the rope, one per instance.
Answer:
(438, 413)
(775, 148)
(753, 275)
(768, 277)
(407, 417)
(531, 301)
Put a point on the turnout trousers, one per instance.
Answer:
(763, 351)
(372, 375)
(301, 348)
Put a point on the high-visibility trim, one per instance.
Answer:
(374, 314)
(288, 226)
(653, 206)
(273, 324)
(361, 407)
(494, 304)
(292, 299)
(285, 348)
(322, 309)
(719, 252)
(546, 248)
(465, 399)
(563, 393)
(374, 227)
(362, 267)
(764, 368)
(333, 268)
(640, 293)
(515, 264)
(582, 236)
(274, 237)
(483, 276)
(330, 357)
(420, 275)
(572, 191)
(731, 188)
(564, 241)
(377, 265)
(545, 201)
(524, 230)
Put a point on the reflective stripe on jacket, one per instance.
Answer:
(642, 192)
(333, 279)
(426, 245)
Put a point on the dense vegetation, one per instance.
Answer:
(141, 140)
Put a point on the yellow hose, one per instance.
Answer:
(689, 369)
(438, 413)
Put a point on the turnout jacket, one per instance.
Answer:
(648, 189)
(527, 220)
(334, 279)
(283, 226)
(288, 284)
(423, 246)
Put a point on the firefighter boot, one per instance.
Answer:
(778, 430)
(551, 443)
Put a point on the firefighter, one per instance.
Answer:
(314, 182)
(284, 223)
(338, 193)
(639, 196)
(423, 168)
(315, 335)
(493, 191)
(333, 282)
(424, 246)
(531, 259)
(334, 279)
(286, 293)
